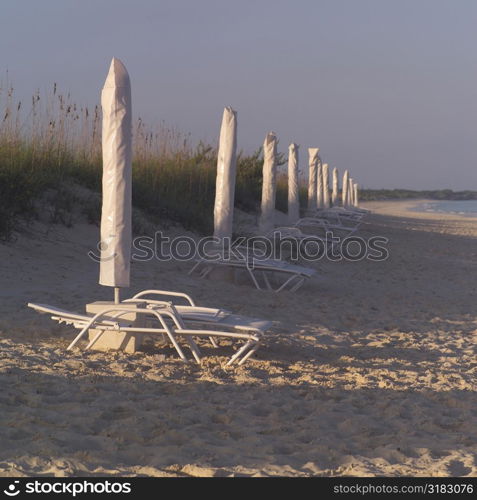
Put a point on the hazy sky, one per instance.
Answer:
(386, 88)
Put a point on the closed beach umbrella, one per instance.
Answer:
(117, 173)
(319, 186)
(326, 185)
(226, 172)
(350, 192)
(344, 190)
(356, 202)
(334, 196)
(267, 214)
(313, 159)
(293, 196)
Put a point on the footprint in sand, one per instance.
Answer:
(457, 468)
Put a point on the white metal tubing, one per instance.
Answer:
(164, 293)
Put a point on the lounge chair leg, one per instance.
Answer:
(205, 272)
(171, 337)
(92, 342)
(80, 334)
(196, 265)
(178, 349)
(298, 285)
(213, 342)
(283, 286)
(194, 349)
(249, 353)
(239, 352)
(255, 282)
(265, 279)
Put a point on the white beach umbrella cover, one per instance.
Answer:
(344, 190)
(356, 202)
(226, 174)
(117, 178)
(319, 185)
(350, 192)
(269, 184)
(326, 185)
(313, 159)
(334, 196)
(293, 190)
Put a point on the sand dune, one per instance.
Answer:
(370, 368)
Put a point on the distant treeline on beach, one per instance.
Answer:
(404, 194)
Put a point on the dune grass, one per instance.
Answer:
(53, 142)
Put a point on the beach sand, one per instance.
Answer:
(370, 368)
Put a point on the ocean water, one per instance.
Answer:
(468, 207)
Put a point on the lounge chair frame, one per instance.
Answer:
(166, 315)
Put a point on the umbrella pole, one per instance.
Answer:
(116, 295)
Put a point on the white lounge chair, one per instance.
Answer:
(324, 225)
(258, 269)
(354, 209)
(348, 214)
(167, 321)
(295, 233)
(351, 216)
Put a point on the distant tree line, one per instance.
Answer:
(404, 194)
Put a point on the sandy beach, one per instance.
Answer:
(370, 368)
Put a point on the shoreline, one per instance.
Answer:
(411, 208)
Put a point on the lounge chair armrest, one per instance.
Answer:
(164, 293)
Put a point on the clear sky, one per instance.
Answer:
(386, 88)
